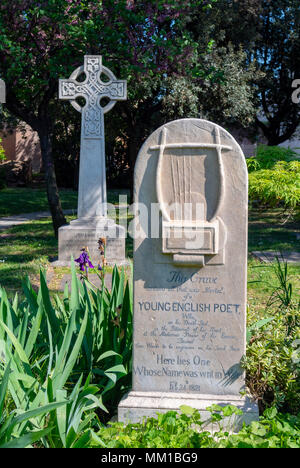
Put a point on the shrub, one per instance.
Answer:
(75, 352)
(274, 178)
(268, 156)
(272, 360)
(273, 430)
(279, 186)
(272, 363)
(185, 430)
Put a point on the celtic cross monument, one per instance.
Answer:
(100, 90)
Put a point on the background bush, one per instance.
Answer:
(274, 178)
(272, 360)
(2, 172)
(268, 156)
(2, 153)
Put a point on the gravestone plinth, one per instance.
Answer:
(85, 233)
(190, 278)
(100, 90)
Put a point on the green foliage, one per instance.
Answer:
(283, 294)
(272, 360)
(2, 152)
(2, 172)
(268, 156)
(278, 186)
(273, 430)
(53, 347)
(271, 363)
(171, 430)
(14, 432)
(187, 430)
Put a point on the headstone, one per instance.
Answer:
(99, 86)
(2, 92)
(189, 281)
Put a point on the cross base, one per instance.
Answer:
(85, 232)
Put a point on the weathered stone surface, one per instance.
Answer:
(190, 281)
(80, 234)
(150, 403)
(92, 221)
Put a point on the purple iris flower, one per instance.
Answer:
(84, 261)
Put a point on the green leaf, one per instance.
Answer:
(31, 340)
(83, 441)
(188, 410)
(16, 343)
(270, 413)
(258, 429)
(27, 439)
(75, 351)
(3, 387)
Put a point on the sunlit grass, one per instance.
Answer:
(24, 249)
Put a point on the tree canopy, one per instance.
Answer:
(41, 41)
(228, 61)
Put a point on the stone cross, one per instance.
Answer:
(99, 83)
(2, 92)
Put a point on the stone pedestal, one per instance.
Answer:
(137, 405)
(85, 232)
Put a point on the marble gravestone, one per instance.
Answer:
(101, 90)
(190, 278)
(2, 92)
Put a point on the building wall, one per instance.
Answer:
(19, 146)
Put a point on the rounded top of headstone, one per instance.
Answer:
(198, 135)
(192, 130)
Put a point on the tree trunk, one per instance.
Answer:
(133, 149)
(273, 133)
(58, 218)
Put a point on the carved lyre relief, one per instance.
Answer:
(190, 191)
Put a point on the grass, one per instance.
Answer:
(24, 249)
(15, 201)
(267, 231)
(262, 281)
(26, 200)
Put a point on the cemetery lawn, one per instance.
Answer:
(26, 248)
(269, 231)
(14, 201)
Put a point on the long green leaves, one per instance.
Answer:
(54, 346)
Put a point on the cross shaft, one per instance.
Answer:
(92, 198)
